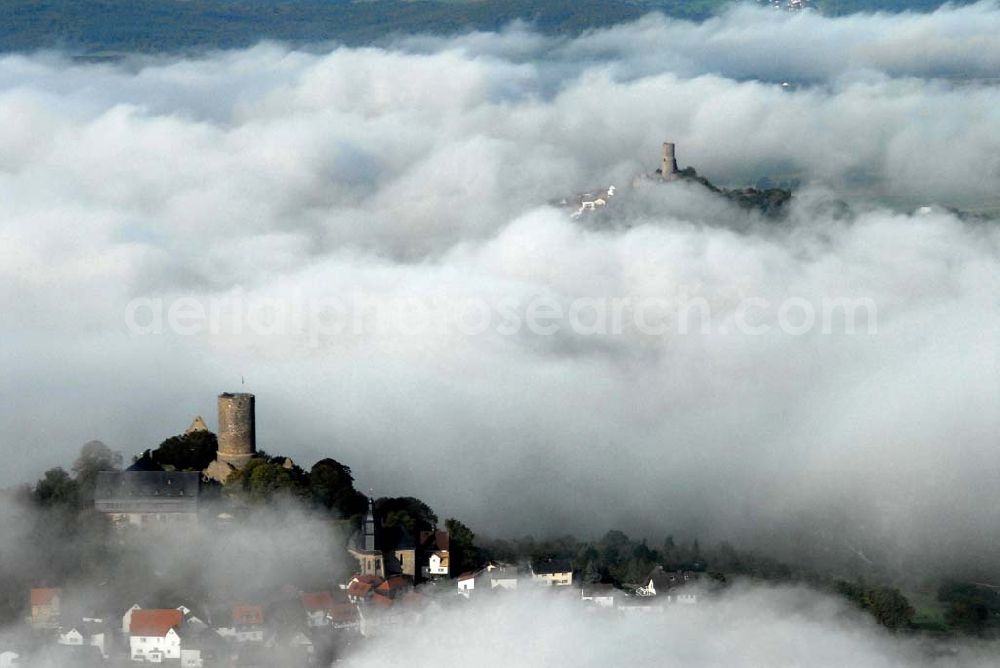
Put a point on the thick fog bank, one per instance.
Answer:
(411, 181)
(748, 627)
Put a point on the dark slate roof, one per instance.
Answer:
(503, 572)
(549, 566)
(664, 580)
(145, 463)
(147, 491)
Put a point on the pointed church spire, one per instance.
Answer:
(369, 527)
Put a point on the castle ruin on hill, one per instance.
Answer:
(237, 435)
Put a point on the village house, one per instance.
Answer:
(127, 617)
(191, 621)
(593, 201)
(248, 623)
(344, 615)
(83, 634)
(552, 572)
(394, 587)
(318, 606)
(502, 576)
(434, 547)
(162, 634)
(153, 634)
(338, 609)
(146, 495)
(45, 607)
(600, 595)
(670, 586)
(361, 587)
(467, 582)
(486, 579)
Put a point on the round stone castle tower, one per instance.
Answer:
(668, 169)
(237, 431)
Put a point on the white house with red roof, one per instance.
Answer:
(248, 623)
(318, 606)
(361, 587)
(434, 544)
(45, 607)
(127, 617)
(153, 634)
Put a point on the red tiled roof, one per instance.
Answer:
(154, 622)
(437, 540)
(395, 582)
(369, 579)
(248, 614)
(441, 538)
(43, 596)
(319, 600)
(344, 612)
(358, 589)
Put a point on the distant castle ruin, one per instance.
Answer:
(668, 170)
(237, 435)
(237, 429)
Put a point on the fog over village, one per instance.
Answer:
(663, 342)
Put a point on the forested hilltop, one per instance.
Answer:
(109, 27)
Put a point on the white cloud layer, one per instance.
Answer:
(747, 627)
(421, 170)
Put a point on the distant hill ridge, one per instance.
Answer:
(105, 28)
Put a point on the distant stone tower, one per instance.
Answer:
(237, 430)
(668, 171)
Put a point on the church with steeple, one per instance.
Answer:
(395, 550)
(363, 546)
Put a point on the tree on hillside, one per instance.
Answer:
(971, 608)
(94, 457)
(464, 554)
(187, 452)
(331, 486)
(890, 608)
(614, 546)
(406, 512)
(266, 479)
(56, 488)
